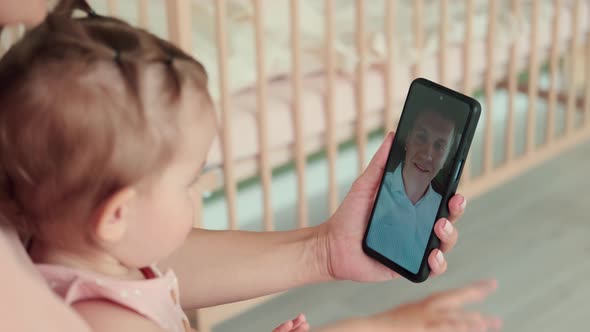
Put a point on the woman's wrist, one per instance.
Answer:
(319, 245)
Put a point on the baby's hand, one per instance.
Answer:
(440, 312)
(299, 324)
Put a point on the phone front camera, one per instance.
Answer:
(441, 97)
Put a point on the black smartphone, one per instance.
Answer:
(422, 173)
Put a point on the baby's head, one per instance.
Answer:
(103, 131)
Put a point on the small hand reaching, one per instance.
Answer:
(440, 312)
(299, 324)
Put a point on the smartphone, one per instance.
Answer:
(422, 173)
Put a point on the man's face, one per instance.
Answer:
(428, 145)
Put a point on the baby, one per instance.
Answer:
(103, 133)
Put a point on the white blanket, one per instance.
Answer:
(241, 62)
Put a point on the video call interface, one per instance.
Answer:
(418, 170)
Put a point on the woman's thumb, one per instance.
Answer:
(374, 171)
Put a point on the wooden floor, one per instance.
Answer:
(532, 234)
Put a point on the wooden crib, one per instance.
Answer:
(294, 77)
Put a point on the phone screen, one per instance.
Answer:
(419, 169)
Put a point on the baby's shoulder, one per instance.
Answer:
(107, 316)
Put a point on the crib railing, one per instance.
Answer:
(490, 85)
(492, 174)
(576, 98)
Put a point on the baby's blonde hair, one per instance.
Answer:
(78, 120)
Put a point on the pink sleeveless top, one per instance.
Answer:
(156, 297)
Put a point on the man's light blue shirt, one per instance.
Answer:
(399, 229)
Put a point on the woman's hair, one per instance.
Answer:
(88, 105)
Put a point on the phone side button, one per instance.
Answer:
(459, 166)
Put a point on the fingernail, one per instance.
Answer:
(463, 203)
(440, 258)
(448, 227)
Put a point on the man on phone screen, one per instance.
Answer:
(408, 204)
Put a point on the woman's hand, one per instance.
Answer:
(340, 237)
(440, 312)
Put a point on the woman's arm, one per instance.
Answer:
(27, 304)
(216, 267)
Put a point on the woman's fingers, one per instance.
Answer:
(298, 321)
(303, 328)
(457, 205)
(299, 324)
(437, 262)
(462, 321)
(457, 298)
(447, 233)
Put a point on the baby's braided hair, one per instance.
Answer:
(78, 119)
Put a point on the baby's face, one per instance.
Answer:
(163, 215)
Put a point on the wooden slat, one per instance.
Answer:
(553, 71)
(265, 168)
(3, 42)
(361, 135)
(490, 88)
(571, 97)
(390, 123)
(6, 39)
(467, 84)
(112, 7)
(16, 34)
(512, 88)
(509, 171)
(587, 94)
(467, 51)
(179, 22)
(419, 36)
(544, 94)
(225, 108)
(297, 115)
(533, 81)
(331, 145)
(444, 23)
(143, 13)
(13, 34)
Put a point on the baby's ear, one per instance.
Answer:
(112, 219)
